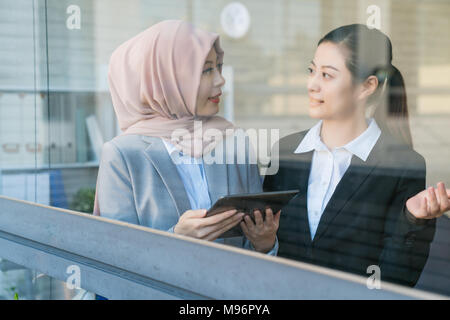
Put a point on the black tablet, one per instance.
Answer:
(249, 202)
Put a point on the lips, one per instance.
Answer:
(315, 102)
(215, 99)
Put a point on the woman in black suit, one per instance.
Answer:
(356, 173)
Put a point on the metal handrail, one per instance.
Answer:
(119, 260)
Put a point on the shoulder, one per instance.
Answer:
(399, 155)
(127, 146)
(398, 159)
(130, 142)
(289, 143)
(293, 139)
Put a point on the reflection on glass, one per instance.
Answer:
(56, 109)
(20, 283)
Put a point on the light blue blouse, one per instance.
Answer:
(192, 173)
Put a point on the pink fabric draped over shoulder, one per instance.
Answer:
(154, 79)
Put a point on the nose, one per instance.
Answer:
(313, 83)
(219, 80)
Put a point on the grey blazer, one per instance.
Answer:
(138, 183)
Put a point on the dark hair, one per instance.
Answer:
(369, 52)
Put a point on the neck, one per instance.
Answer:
(337, 133)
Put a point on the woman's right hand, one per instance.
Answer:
(193, 223)
(431, 203)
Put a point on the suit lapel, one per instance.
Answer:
(306, 160)
(156, 152)
(355, 175)
(297, 169)
(217, 179)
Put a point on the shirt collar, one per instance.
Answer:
(170, 147)
(312, 140)
(178, 157)
(360, 146)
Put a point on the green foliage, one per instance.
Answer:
(16, 295)
(83, 200)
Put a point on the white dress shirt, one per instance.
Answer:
(329, 166)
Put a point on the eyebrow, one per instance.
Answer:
(208, 62)
(331, 67)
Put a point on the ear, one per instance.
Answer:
(368, 87)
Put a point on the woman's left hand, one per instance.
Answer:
(430, 203)
(262, 234)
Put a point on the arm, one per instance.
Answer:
(406, 241)
(115, 190)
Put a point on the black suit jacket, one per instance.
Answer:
(366, 221)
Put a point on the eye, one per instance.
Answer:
(310, 70)
(219, 67)
(326, 75)
(207, 70)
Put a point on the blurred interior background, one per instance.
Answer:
(56, 111)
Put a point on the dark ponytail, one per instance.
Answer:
(369, 52)
(391, 111)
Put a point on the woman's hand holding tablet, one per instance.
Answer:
(193, 223)
(262, 234)
(249, 203)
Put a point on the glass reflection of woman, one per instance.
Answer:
(164, 79)
(361, 202)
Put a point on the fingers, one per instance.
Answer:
(258, 219)
(277, 218)
(215, 234)
(227, 220)
(260, 224)
(433, 204)
(446, 191)
(222, 225)
(195, 213)
(244, 229)
(269, 216)
(438, 201)
(249, 223)
(209, 221)
(424, 206)
(444, 202)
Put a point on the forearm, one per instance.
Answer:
(406, 249)
(272, 252)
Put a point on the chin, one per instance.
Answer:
(209, 113)
(213, 111)
(207, 110)
(316, 113)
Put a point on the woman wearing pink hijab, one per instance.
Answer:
(167, 79)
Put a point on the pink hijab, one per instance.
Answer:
(154, 79)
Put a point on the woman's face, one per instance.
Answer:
(332, 95)
(209, 91)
